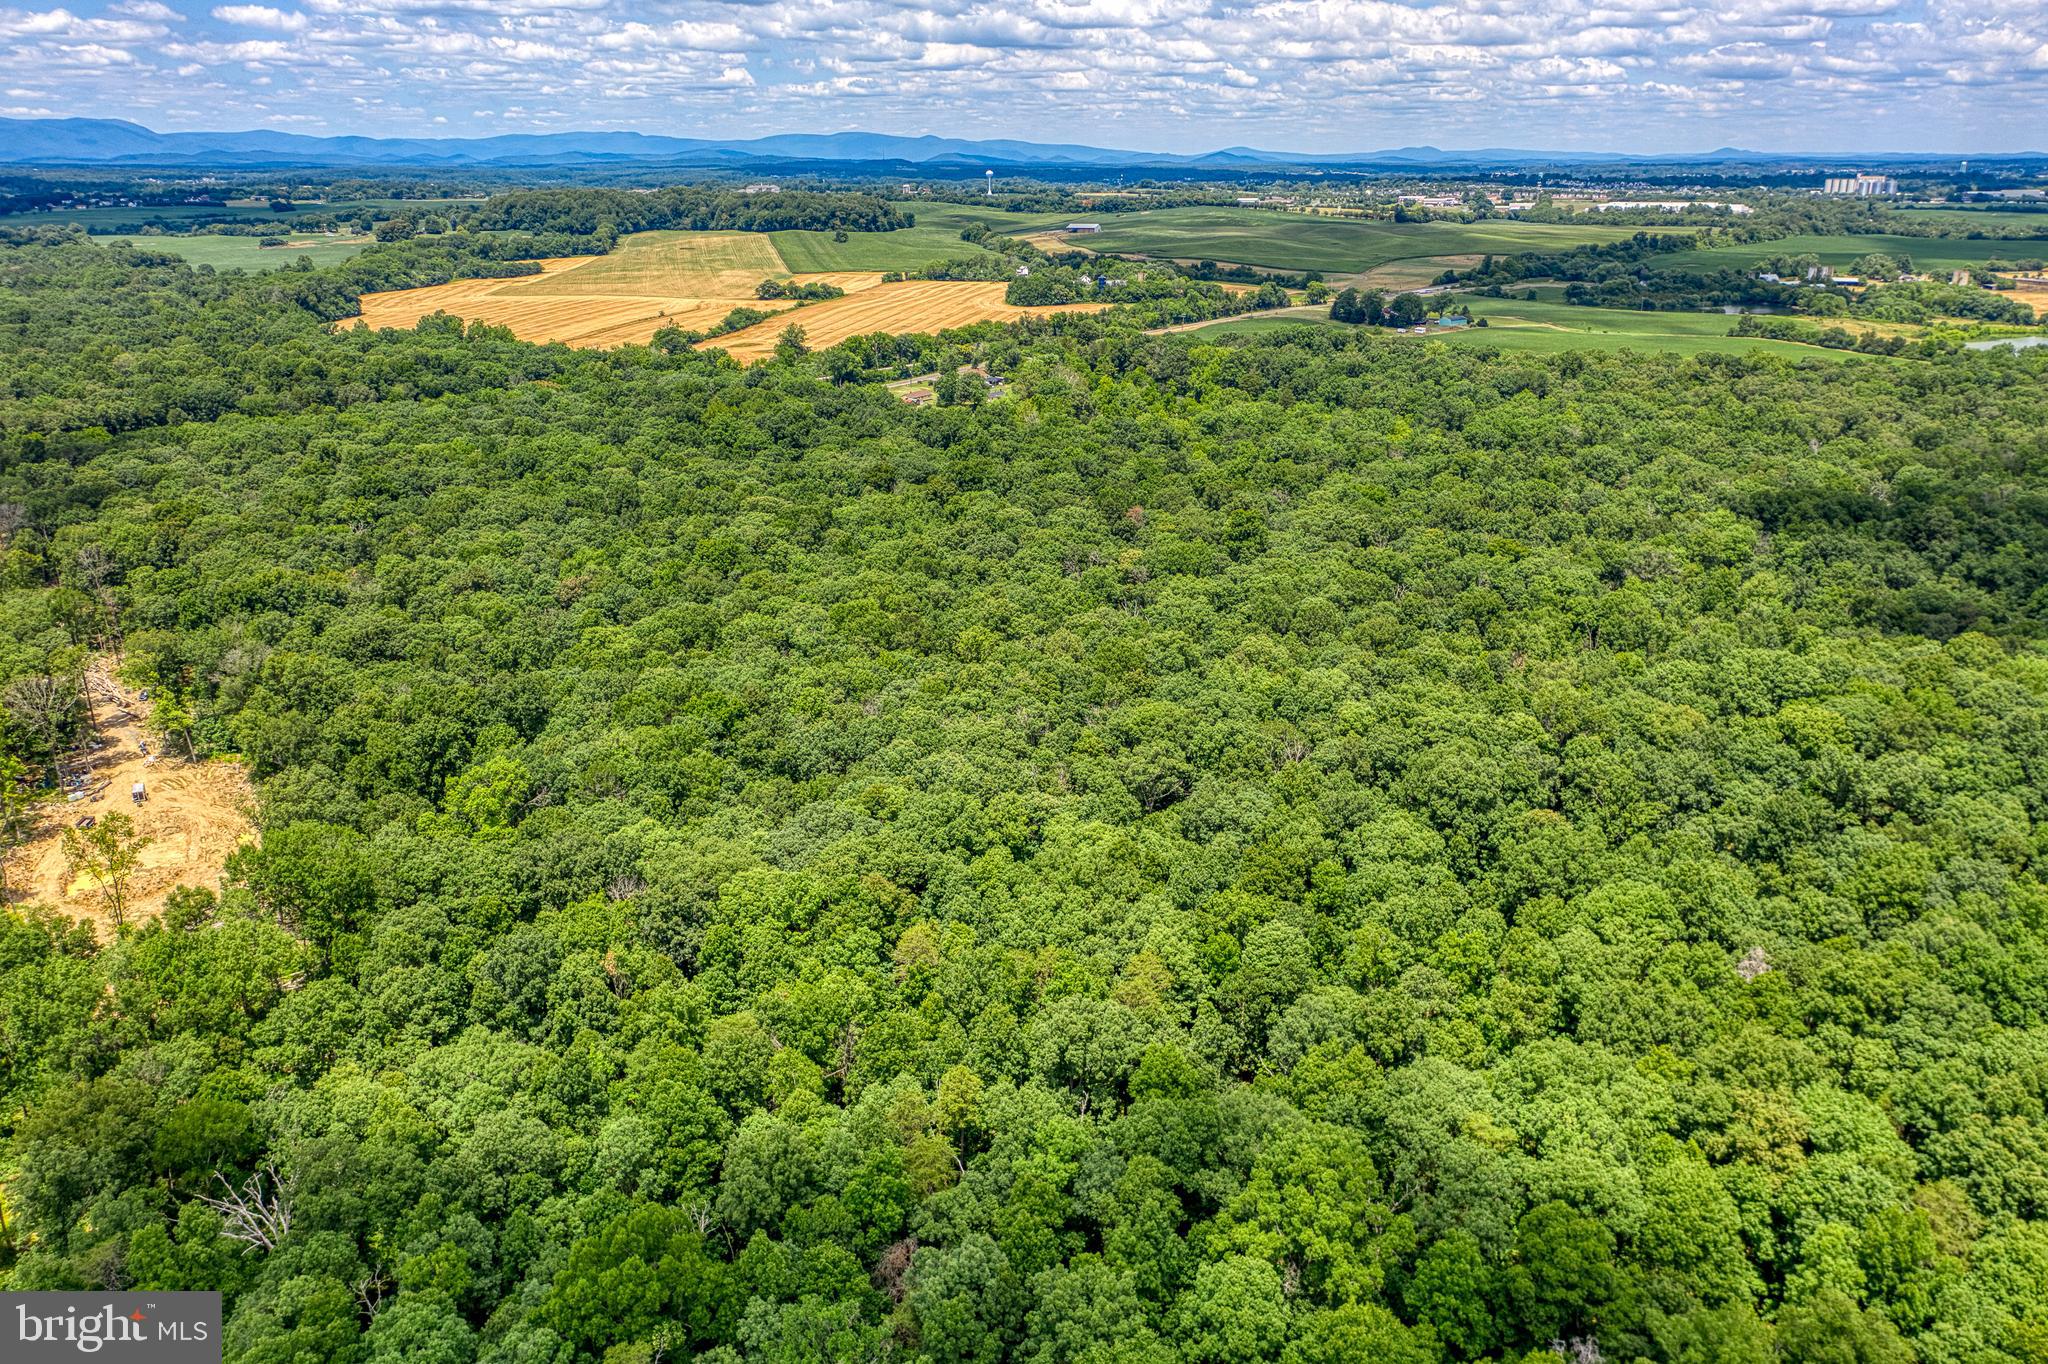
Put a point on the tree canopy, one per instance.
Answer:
(1294, 848)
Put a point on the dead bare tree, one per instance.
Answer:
(259, 1212)
(370, 1291)
(43, 702)
(96, 567)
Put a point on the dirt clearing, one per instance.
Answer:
(195, 814)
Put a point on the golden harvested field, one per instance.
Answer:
(668, 264)
(916, 305)
(691, 280)
(1056, 243)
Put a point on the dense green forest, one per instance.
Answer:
(1300, 849)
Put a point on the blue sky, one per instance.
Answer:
(1172, 75)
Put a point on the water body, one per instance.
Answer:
(2016, 342)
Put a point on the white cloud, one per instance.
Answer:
(1177, 74)
(261, 16)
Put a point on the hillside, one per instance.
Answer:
(1289, 848)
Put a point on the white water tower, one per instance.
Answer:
(989, 180)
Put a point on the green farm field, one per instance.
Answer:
(1549, 328)
(904, 249)
(1927, 253)
(1987, 218)
(180, 217)
(1295, 241)
(954, 217)
(1513, 324)
(243, 253)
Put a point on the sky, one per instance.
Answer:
(1160, 75)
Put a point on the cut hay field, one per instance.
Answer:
(724, 265)
(691, 280)
(1839, 250)
(2034, 298)
(596, 301)
(1299, 241)
(908, 306)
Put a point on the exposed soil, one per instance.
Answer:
(194, 813)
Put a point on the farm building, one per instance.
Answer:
(1669, 206)
(1084, 227)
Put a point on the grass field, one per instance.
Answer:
(1548, 328)
(1987, 218)
(1926, 253)
(242, 253)
(904, 249)
(1297, 241)
(113, 221)
(954, 217)
(909, 306)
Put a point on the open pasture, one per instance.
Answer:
(1840, 250)
(908, 306)
(1299, 241)
(1984, 218)
(183, 217)
(1548, 328)
(244, 253)
(907, 248)
(956, 218)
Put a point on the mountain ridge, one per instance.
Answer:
(90, 141)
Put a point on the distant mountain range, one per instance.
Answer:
(113, 142)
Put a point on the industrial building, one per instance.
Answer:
(1862, 186)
